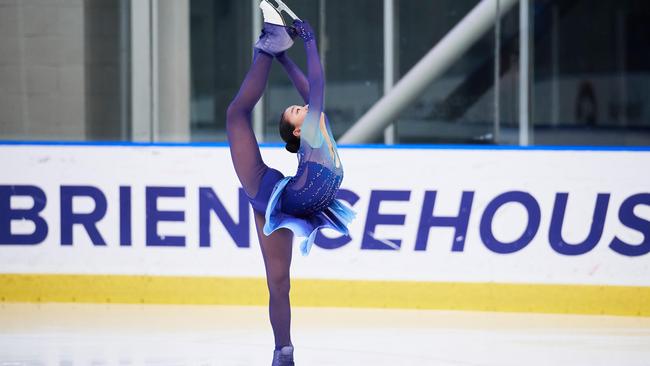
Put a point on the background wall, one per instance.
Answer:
(163, 70)
(42, 69)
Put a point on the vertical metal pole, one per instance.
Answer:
(389, 61)
(322, 32)
(173, 70)
(524, 73)
(153, 33)
(497, 74)
(141, 73)
(125, 130)
(531, 75)
(258, 111)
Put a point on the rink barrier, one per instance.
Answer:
(158, 288)
(501, 297)
(486, 147)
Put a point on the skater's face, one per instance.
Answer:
(295, 115)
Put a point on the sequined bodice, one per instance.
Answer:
(312, 189)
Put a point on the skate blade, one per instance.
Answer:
(283, 7)
(272, 8)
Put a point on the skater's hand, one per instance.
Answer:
(304, 30)
(293, 32)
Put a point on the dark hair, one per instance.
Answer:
(286, 132)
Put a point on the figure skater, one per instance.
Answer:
(300, 204)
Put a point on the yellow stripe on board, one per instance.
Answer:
(574, 299)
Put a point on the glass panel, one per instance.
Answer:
(63, 70)
(459, 106)
(350, 38)
(221, 49)
(591, 72)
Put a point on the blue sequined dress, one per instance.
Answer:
(306, 202)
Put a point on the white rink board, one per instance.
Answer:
(487, 173)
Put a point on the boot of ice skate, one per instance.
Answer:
(280, 7)
(283, 357)
(276, 36)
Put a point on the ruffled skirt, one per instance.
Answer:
(336, 216)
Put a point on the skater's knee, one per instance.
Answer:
(279, 284)
(233, 110)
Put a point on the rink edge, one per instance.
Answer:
(536, 298)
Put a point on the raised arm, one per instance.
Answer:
(311, 126)
(298, 79)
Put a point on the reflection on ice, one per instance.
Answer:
(86, 334)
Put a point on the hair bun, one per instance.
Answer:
(292, 147)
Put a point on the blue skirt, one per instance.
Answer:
(336, 216)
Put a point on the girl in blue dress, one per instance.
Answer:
(300, 204)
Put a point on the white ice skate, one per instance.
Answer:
(271, 14)
(279, 7)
